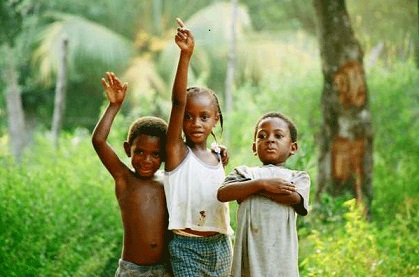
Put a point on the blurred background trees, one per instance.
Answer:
(278, 66)
(129, 39)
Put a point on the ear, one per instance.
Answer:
(294, 148)
(127, 148)
(254, 149)
(216, 119)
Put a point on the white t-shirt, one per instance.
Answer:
(191, 196)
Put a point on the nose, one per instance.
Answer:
(195, 121)
(271, 138)
(147, 158)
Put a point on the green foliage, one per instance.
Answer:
(340, 242)
(394, 24)
(349, 250)
(59, 213)
(281, 14)
(59, 216)
(352, 246)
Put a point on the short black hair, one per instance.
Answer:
(291, 125)
(150, 126)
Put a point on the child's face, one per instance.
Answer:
(273, 143)
(200, 117)
(145, 153)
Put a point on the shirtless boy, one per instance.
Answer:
(139, 190)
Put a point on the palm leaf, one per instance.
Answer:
(143, 79)
(87, 42)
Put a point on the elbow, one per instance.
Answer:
(97, 141)
(301, 211)
(220, 196)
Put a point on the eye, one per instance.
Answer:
(188, 116)
(279, 136)
(139, 151)
(156, 155)
(262, 136)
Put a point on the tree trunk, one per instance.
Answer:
(416, 42)
(229, 83)
(345, 141)
(60, 93)
(15, 114)
(157, 16)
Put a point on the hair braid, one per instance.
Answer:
(192, 91)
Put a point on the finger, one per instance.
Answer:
(180, 22)
(116, 80)
(110, 76)
(180, 36)
(125, 86)
(105, 85)
(182, 33)
(187, 33)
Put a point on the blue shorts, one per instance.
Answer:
(128, 269)
(200, 256)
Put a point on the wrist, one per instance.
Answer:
(115, 105)
(263, 184)
(186, 53)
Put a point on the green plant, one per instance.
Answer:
(348, 251)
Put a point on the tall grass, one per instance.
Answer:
(59, 215)
(58, 212)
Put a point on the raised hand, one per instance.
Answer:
(114, 89)
(184, 38)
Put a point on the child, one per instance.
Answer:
(140, 193)
(269, 197)
(193, 174)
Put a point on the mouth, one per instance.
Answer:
(196, 134)
(270, 150)
(145, 171)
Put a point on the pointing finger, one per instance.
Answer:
(180, 22)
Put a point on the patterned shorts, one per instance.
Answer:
(200, 256)
(128, 269)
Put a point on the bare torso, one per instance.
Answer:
(144, 217)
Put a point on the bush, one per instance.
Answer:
(60, 216)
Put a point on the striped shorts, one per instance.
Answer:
(200, 256)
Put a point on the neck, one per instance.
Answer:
(196, 146)
(275, 164)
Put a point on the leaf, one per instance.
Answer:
(87, 41)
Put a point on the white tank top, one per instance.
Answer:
(191, 196)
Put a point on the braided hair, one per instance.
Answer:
(193, 91)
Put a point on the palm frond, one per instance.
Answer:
(87, 41)
(144, 80)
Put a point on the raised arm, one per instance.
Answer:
(115, 93)
(175, 147)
